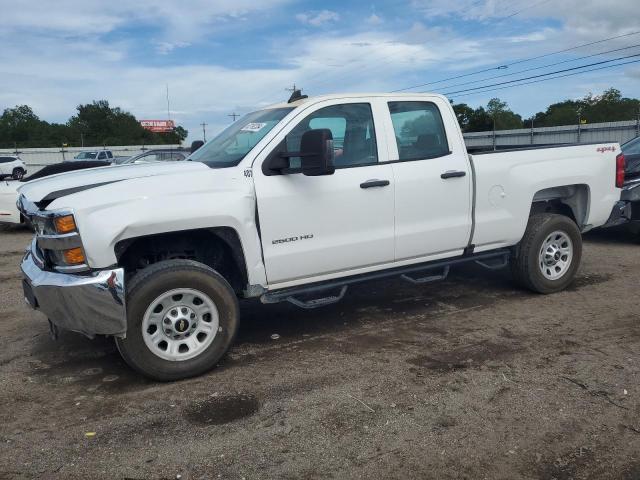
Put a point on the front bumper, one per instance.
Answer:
(92, 304)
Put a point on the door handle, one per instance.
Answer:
(374, 183)
(452, 174)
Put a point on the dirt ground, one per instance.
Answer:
(467, 378)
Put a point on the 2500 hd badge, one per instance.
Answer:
(292, 239)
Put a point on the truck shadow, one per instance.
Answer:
(95, 365)
(378, 301)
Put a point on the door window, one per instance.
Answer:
(102, 156)
(354, 138)
(419, 130)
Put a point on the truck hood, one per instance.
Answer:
(45, 190)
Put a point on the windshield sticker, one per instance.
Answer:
(253, 127)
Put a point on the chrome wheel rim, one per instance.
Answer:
(556, 254)
(180, 324)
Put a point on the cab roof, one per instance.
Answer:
(335, 96)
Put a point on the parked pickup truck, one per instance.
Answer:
(294, 203)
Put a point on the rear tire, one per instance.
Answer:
(548, 256)
(182, 317)
(17, 173)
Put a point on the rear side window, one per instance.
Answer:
(419, 130)
(109, 154)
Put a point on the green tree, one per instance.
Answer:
(504, 118)
(464, 114)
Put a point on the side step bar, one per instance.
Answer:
(332, 291)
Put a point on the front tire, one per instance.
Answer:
(182, 318)
(17, 173)
(548, 256)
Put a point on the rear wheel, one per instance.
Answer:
(17, 173)
(548, 256)
(182, 318)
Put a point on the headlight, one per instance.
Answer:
(73, 256)
(65, 224)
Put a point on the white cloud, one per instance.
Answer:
(184, 22)
(164, 48)
(373, 19)
(318, 19)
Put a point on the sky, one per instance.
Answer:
(220, 57)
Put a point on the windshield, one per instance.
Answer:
(231, 146)
(86, 155)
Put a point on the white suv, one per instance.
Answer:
(12, 166)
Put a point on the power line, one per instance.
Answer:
(464, 33)
(542, 66)
(517, 62)
(550, 78)
(542, 74)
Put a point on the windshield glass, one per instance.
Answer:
(86, 155)
(231, 146)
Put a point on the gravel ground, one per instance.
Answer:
(467, 378)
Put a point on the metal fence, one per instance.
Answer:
(584, 133)
(36, 158)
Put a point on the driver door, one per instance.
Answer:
(317, 227)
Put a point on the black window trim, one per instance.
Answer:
(444, 130)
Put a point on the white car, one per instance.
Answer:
(105, 155)
(295, 203)
(9, 212)
(12, 166)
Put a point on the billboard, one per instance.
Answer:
(158, 126)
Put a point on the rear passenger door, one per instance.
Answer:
(433, 181)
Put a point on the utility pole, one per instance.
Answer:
(494, 131)
(233, 115)
(531, 130)
(204, 131)
(638, 123)
(82, 139)
(579, 125)
(168, 110)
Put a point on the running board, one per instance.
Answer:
(291, 297)
(427, 278)
(491, 260)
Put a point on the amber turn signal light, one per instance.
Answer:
(73, 256)
(65, 224)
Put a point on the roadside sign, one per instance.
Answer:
(158, 126)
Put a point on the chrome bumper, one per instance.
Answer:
(92, 304)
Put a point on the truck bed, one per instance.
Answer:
(507, 182)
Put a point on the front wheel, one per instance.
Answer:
(17, 173)
(548, 256)
(182, 318)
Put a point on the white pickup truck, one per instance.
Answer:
(294, 203)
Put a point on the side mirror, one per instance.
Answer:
(316, 152)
